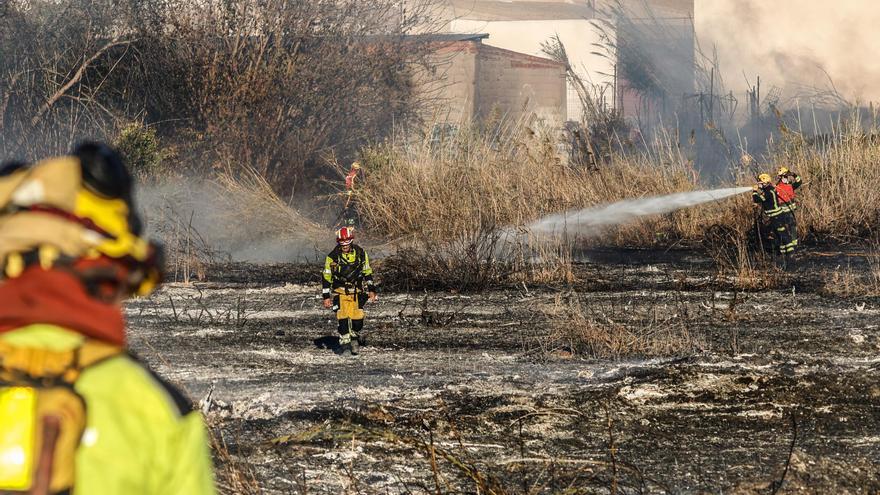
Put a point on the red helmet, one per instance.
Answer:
(345, 236)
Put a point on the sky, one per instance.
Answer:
(791, 43)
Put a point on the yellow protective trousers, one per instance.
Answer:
(349, 314)
(348, 305)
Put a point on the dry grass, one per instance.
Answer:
(476, 180)
(459, 206)
(246, 198)
(840, 200)
(453, 201)
(856, 281)
(740, 254)
(233, 474)
(591, 330)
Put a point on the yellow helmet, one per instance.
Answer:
(764, 178)
(71, 208)
(356, 165)
(783, 171)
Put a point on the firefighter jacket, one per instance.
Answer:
(140, 437)
(766, 197)
(347, 271)
(139, 434)
(786, 193)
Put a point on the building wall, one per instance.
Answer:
(523, 25)
(579, 37)
(449, 84)
(518, 85)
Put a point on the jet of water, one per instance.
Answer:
(591, 220)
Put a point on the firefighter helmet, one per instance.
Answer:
(765, 178)
(76, 209)
(355, 165)
(783, 171)
(345, 236)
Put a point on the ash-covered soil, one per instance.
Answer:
(494, 392)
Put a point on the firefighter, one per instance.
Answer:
(346, 272)
(766, 196)
(351, 177)
(787, 182)
(349, 216)
(78, 414)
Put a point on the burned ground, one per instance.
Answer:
(492, 392)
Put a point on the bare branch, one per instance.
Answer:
(77, 77)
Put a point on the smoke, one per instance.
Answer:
(792, 44)
(591, 221)
(229, 221)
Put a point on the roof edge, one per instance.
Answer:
(526, 56)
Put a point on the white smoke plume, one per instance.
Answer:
(794, 43)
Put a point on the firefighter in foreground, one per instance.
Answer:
(78, 414)
(346, 272)
(766, 196)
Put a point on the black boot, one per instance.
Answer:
(357, 326)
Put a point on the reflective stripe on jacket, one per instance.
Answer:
(347, 270)
(767, 198)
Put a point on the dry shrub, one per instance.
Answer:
(840, 200)
(459, 205)
(586, 330)
(271, 84)
(143, 152)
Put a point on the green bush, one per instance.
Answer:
(142, 150)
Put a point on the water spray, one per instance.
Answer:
(587, 220)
